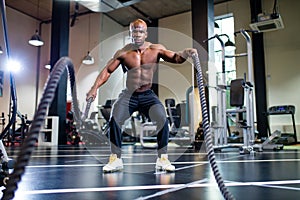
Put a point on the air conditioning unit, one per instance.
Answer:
(267, 23)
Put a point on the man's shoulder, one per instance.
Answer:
(157, 46)
(123, 51)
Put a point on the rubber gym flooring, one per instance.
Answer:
(69, 172)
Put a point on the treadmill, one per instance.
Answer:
(284, 138)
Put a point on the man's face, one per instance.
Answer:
(138, 34)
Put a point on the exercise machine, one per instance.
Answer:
(248, 85)
(91, 134)
(73, 136)
(178, 133)
(245, 88)
(277, 139)
(146, 130)
(284, 138)
(17, 134)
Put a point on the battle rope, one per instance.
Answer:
(207, 134)
(38, 121)
(87, 109)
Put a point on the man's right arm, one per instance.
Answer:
(103, 76)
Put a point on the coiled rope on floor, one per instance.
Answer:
(207, 134)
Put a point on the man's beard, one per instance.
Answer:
(138, 44)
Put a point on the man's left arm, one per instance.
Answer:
(177, 57)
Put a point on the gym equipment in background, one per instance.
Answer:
(88, 127)
(242, 87)
(5, 162)
(146, 130)
(178, 133)
(219, 127)
(2, 121)
(105, 112)
(16, 135)
(284, 138)
(277, 140)
(73, 136)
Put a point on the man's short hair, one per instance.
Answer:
(136, 23)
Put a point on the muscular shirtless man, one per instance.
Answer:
(140, 59)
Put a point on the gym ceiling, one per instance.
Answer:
(121, 11)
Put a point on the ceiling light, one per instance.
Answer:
(229, 45)
(48, 66)
(13, 65)
(1, 50)
(35, 40)
(88, 59)
(217, 25)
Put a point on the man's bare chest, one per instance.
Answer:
(139, 59)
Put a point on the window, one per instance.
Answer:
(226, 26)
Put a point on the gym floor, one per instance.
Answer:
(70, 172)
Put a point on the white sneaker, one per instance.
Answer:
(114, 164)
(164, 164)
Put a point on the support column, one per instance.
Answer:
(153, 38)
(59, 48)
(259, 73)
(203, 28)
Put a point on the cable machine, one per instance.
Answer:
(248, 107)
(221, 126)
